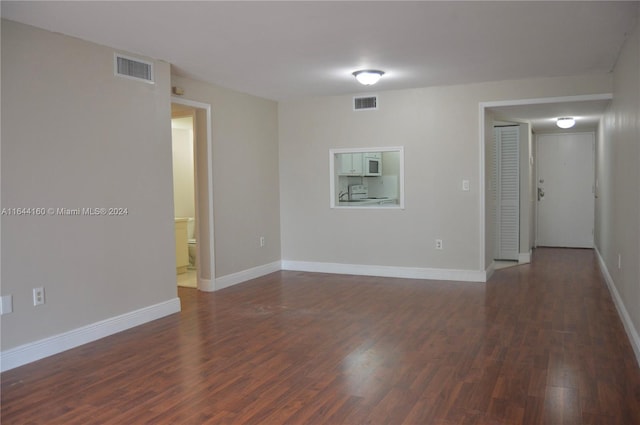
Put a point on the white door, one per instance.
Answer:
(508, 192)
(565, 177)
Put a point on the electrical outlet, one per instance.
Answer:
(38, 296)
(261, 241)
(438, 243)
(465, 185)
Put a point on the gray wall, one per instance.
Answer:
(246, 202)
(73, 136)
(438, 126)
(617, 230)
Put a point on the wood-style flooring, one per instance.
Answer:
(537, 344)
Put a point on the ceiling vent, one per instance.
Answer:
(365, 103)
(133, 68)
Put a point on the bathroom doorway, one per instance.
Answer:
(193, 193)
(184, 195)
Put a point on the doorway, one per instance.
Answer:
(184, 195)
(195, 238)
(540, 113)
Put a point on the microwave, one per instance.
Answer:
(372, 164)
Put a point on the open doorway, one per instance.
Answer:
(193, 194)
(541, 115)
(184, 196)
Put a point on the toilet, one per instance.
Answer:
(191, 239)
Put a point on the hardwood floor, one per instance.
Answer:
(538, 344)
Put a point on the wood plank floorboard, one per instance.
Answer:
(539, 344)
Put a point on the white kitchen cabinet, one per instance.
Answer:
(350, 164)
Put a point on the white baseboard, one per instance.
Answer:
(632, 332)
(386, 271)
(37, 350)
(206, 285)
(524, 257)
(489, 271)
(244, 275)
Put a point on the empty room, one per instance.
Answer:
(320, 212)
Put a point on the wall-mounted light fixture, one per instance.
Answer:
(565, 122)
(368, 77)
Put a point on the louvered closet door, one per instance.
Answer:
(508, 192)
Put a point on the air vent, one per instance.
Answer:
(134, 68)
(365, 103)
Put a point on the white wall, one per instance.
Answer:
(74, 135)
(439, 128)
(617, 230)
(183, 167)
(245, 176)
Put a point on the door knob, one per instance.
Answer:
(540, 193)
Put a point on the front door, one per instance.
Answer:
(565, 177)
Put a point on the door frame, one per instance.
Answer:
(482, 106)
(206, 285)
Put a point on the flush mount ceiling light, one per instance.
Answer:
(565, 122)
(368, 77)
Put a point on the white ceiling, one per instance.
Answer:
(283, 50)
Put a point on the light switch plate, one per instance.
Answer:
(465, 185)
(7, 304)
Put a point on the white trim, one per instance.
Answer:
(332, 181)
(37, 350)
(524, 257)
(205, 284)
(244, 275)
(481, 191)
(386, 271)
(514, 102)
(489, 271)
(630, 329)
(543, 100)
(369, 149)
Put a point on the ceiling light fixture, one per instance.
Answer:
(566, 122)
(368, 77)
